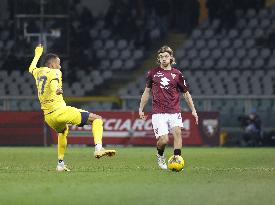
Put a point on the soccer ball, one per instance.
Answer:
(175, 163)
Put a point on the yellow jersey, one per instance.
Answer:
(47, 82)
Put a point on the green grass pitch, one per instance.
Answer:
(216, 176)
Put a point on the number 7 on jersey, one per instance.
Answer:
(43, 79)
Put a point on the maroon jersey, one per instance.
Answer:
(166, 86)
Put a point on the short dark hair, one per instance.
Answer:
(49, 57)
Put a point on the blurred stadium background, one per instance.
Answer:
(225, 48)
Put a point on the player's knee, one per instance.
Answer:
(163, 140)
(177, 132)
(93, 117)
(65, 130)
(99, 117)
(98, 121)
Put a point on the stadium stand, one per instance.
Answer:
(233, 62)
(105, 52)
(214, 59)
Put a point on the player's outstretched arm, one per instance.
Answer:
(143, 101)
(38, 52)
(190, 103)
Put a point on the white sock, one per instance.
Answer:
(98, 147)
(60, 163)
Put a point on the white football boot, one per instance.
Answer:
(61, 167)
(161, 162)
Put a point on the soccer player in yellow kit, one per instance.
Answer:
(57, 114)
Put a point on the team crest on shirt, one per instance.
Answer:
(173, 75)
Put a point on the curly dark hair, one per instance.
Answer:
(168, 50)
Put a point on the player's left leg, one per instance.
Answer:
(176, 132)
(97, 130)
(61, 148)
(175, 124)
(82, 117)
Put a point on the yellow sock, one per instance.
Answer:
(62, 143)
(97, 131)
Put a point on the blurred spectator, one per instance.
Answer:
(185, 15)
(267, 40)
(4, 14)
(228, 16)
(162, 8)
(252, 129)
(191, 9)
(214, 9)
(249, 4)
(271, 39)
(223, 10)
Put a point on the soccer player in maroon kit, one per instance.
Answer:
(166, 84)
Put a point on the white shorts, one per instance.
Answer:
(164, 122)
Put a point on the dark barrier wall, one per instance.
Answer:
(22, 128)
(28, 128)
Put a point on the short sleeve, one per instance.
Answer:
(54, 85)
(182, 84)
(54, 78)
(149, 80)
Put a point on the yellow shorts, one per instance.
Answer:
(66, 115)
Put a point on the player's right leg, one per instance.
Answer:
(161, 143)
(82, 117)
(97, 130)
(176, 131)
(160, 126)
(62, 129)
(61, 148)
(175, 123)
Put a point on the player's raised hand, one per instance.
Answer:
(141, 115)
(39, 50)
(194, 113)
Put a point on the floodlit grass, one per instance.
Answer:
(211, 176)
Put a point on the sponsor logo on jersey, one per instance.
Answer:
(158, 74)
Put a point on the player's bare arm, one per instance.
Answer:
(38, 52)
(190, 103)
(59, 91)
(143, 101)
(55, 87)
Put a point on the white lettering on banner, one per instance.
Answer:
(107, 124)
(186, 124)
(117, 124)
(126, 125)
(138, 124)
(148, 125)
(113, 124)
